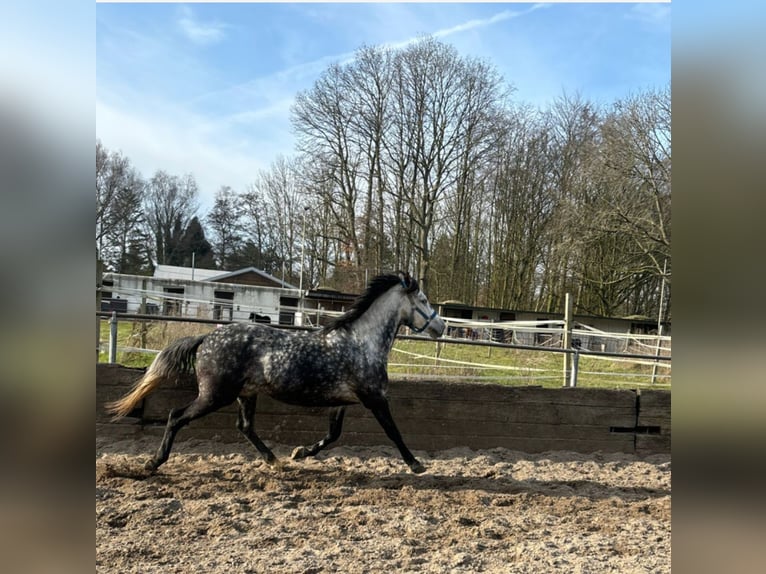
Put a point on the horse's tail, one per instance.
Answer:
(173, 362)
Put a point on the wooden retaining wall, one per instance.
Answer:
(431, 416)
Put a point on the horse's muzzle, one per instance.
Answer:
(435, 328)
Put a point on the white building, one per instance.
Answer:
(242, 295)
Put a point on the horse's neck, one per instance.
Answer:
(378, 325)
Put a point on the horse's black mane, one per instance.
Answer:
(375, 289)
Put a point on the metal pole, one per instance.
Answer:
(99, 285)
(567, 343)
(303, 250)
(575, 366)
(113, 338)
(659, 320)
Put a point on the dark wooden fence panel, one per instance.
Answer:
(653, 422)
(431, 415)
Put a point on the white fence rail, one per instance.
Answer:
(539, 336)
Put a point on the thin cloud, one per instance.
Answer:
(202, 33)
(289, 76)
(179, 142)
(481, 23)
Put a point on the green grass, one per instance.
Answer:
(145, 335)
(522, 367)
(526, 367)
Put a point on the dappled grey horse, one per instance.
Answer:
(342, 364)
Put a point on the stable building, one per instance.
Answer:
(247, 294)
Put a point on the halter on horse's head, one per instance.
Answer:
(421, 317)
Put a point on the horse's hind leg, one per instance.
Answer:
(336, 425)
(378, 404)
(179, 418)
(245, 426)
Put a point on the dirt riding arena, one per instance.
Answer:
(217, 508)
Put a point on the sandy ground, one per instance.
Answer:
(217, 508)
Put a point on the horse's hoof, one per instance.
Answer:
(151, 467)
(276, 464)
(417, 467)
(299, 453)
(271, 460)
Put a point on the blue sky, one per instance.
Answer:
(207, 88)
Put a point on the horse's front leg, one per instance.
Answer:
(378, 404)
(245, 426)
(336, 425)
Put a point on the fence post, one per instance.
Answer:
(99, 284)
(113, 337)
(490, 341)
(575, 366)
(567, 343)
(659, 321)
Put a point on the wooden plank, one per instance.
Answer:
(112, 374)
(436, 434)
(112, 382)
(119, 430)
(105, 395)
(430, 415)
(616, 415)
(654, 411)
(437, 427)
(196, 432)
(620, 413)
(653, 444)
(318, 426)
(438, 422)
(615, 443)
(655, 399)
(486, 392)
(654, 406)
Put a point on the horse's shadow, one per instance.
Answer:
(491, 485)
(297, 476)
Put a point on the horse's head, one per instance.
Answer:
(418, 314)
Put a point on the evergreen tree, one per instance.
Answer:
(137, 259)
(193, 241)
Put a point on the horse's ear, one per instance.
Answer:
(405, 279)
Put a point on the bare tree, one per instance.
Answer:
(637, 153)
(108, 175)
(169, 205)
(370, 81)
(225, 221)
(574, 124)
(272, 216)
(127, 221)
(322, 118)
(119, 194)
(629, 226)
(413, 158)
(443, 118)
(481, 131)
(521, 211)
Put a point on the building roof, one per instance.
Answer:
(215, 275)
(227, 276)
(185, 273)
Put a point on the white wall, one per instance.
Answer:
(198, 298)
